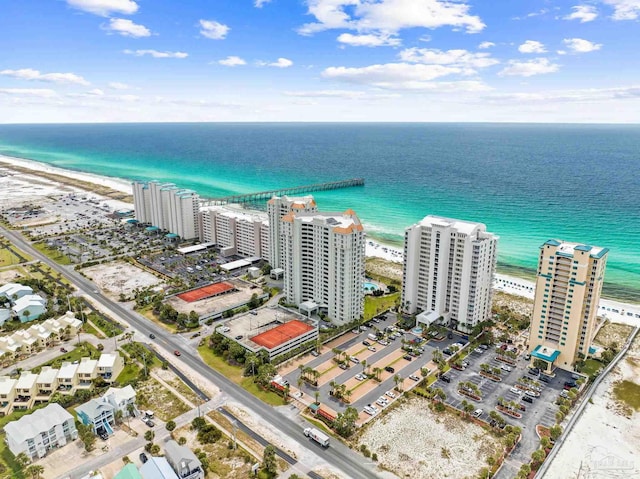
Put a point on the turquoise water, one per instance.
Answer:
(369, 286)
(527, 183)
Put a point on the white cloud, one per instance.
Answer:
(533, 14)
(537, 66)
(127, 28)
(156, 53)
(280, 63)
(369, 40)
(347, 94)
(213, 30)
(588, 95)
(96, 92)
(624, 9)
(460, 58)
(389, 16)
(531, 46)
(105, 8)
(584, 13)
(118, 86)
(579, 45)
(232, 61)
(30, 92)
(34, 75)
(260, 3)
(485, 45)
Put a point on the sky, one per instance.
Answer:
(66, 61)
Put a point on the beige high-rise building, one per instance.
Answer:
(568, 287)
(278, 207)
(235, 231)
(323, 262)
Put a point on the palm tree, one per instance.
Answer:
(347, 394)
(377, 372)
(317, 396)
(364, 365)
(23, 460)
(35, 470)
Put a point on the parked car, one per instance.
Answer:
(479, 350)
(447, 352)
(532, 394)
(103, 435)
(504, 367)
(355, 331)
(383, 342)
(413, 377)
(484, 346)
(363, 328)
(544, 379)
(527, 399)
(366, 343)
(515, 391)
(569, 384)
(477, 413)
(360, 377)
(445, 378)
(379, 402)
(391, 394)
(315, 353)
(239, 337)
(389, 369)
(343, 366)
(370, 410)
(354, 360)
(407, 357)
(533, 372)
(143, 457)
(372, 349)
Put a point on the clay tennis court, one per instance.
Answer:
(206, 292)
(281, 334)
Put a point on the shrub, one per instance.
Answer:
(171, 425)
(208, 434)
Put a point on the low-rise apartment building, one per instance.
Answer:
(87, 371)
(7, 394)
(25, 391)
(110, 366)
(46, 384)
(39, 336)
(35, 434)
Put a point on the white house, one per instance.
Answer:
(29, 307)
(14, 291)
(121, 398)
(48, 428)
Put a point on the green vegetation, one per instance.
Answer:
(9, 467)
(234, 373)
(89, 329)
(628, 392)
(129, 374)
(150, 394)
(81, 351)
(375, 305)
(7, 257)
(590, 367)
(109, 328)
(52, 253)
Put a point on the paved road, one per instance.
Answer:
(338, 455)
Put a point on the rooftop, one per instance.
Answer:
(26, 380)
(462, 226)
(345, 222)
(157, 468)
(107, 360)
(67, 370)
(47, 375)
(39, 421)
(87, 365)
(281, 334)
(6, 384)
(545, 353)
(569, 249)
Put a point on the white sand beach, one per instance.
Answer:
(614, 310)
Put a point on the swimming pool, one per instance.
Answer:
(369, 286)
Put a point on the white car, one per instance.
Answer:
(354, 360)
(370, 410)
(382, 401)
(391, 394)
(372, 349)
(383, 342)
(533, 394)
(413, 377)
(479, 350)
(226, 329)
(504, 367)
(360, 377)
(515, 391)
(477, 413)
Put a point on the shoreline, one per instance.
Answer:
(509, 283)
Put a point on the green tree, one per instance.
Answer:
(345, 422)
(34, 470)
(149, 435)
(555, 432)
(171, 425)
(182, 440)
(269, 464)
(23, 460)
(86, 435)
(198, 423)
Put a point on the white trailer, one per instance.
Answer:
(318, 436)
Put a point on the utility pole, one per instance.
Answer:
(234, 424)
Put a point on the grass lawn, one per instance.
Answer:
(629, 393)
(129, 372)
(375, 305)
(8, 465)
(52, 253)
(591, 367)
(108, 328)
(147, 312)
(131, 348)
(89, 329)
(84, 350)
(8, 258)
(234, 373)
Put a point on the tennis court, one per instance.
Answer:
(209, 291)
(281, 334)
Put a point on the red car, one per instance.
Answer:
(176, 352)
(62, 350)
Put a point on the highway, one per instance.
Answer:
(338, 455)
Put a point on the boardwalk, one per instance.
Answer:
(297, 190)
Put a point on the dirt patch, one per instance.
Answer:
(518, 304)
(153, 395)
(223, 462)
(120, 277)
(612, 333)
(384, 268)
(413, 441)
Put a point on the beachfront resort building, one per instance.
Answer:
(448, 270)
(323, 260)
(568, 287)
(235, 231)
(167, 207)
(277, 208)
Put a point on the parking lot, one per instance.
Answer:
(541, 410)
(368, 390)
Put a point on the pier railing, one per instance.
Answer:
(262, 196)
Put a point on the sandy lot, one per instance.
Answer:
(605, 443)
(120, 277)
(415, 442)
(612, 332)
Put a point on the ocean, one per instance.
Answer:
(526, 182)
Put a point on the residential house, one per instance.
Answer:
(110, 366)
(67, 377)
(121, 399)
(35, 434)
(7, 394)
(87, 371)
(130, 471)
(25, 391)
(44, 337)
(29, 307)
(5, 315)
(183, 461)
(98, 414)
(14, 291)
(157, 468)
(46, 384)
(28, 342)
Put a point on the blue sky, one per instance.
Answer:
(320, 60)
